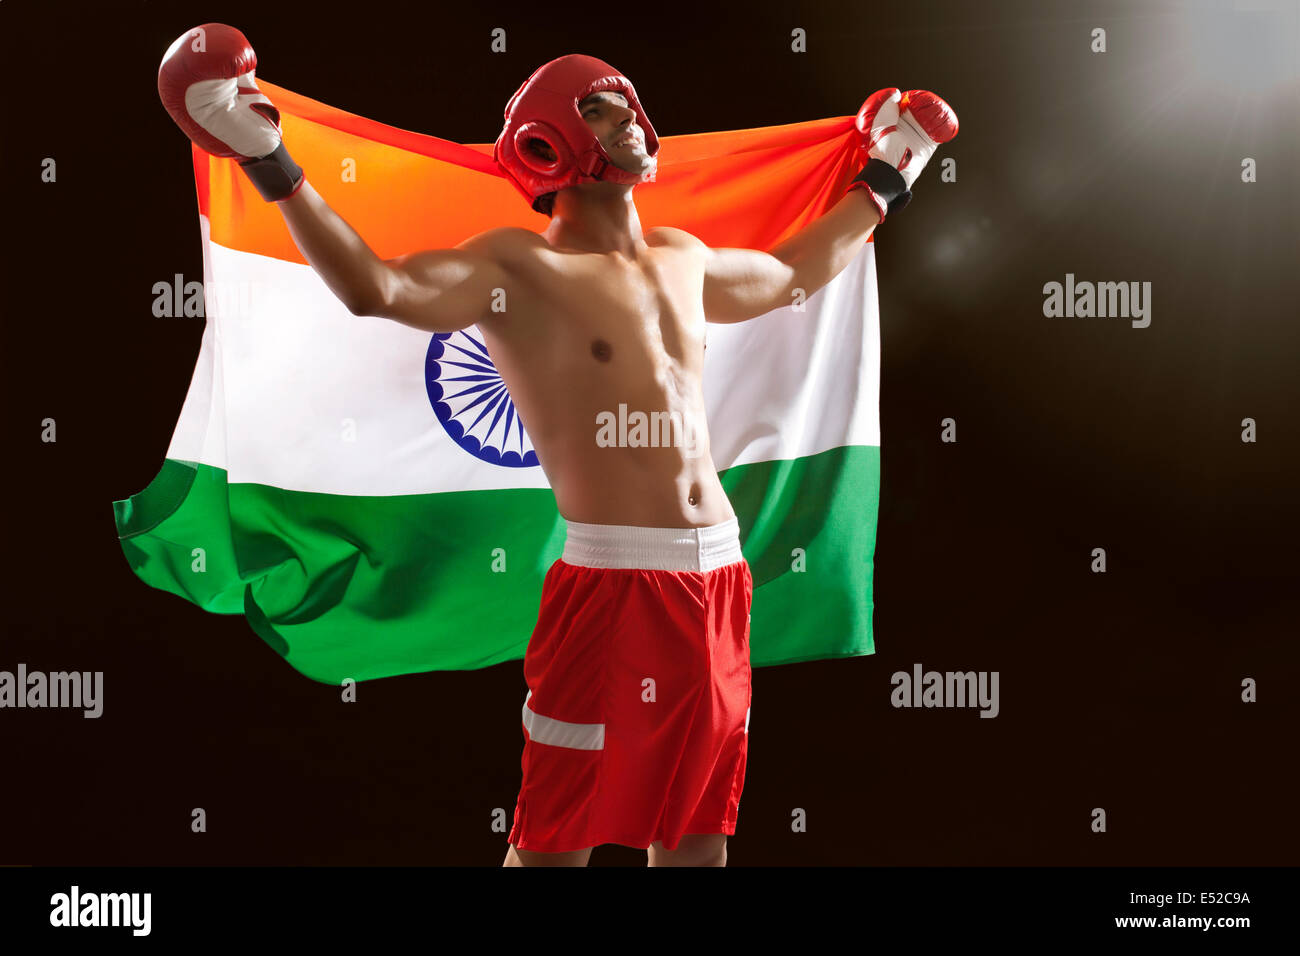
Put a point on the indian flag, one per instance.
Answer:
(364, 493)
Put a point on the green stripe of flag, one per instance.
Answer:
(368, 587)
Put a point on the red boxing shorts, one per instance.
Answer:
(636, 722)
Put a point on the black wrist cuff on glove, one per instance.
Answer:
(886, 182)
(276, 175)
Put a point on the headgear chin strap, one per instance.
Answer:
(546, 108)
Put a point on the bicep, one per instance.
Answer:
(441, 290)
(741, 284)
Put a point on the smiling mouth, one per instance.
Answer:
(628, 141)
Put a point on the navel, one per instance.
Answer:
(693, 496)
(601, 350)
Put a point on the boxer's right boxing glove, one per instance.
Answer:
(206, 84)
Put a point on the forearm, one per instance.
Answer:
(341, 257)
(820, 251)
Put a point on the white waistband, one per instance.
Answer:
(652, 549)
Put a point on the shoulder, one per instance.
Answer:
(506, 245)
(679, 240)
(672, 236)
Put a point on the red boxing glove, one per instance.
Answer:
(900, 132)
(206, 83)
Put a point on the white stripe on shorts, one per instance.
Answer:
(562, 733)
(652, 549)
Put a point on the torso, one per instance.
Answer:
(584, 333)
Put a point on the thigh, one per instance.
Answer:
(694, 849)
(518, 857)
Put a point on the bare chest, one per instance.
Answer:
(614, 311)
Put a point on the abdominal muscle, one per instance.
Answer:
(647, 487)
(602, 469)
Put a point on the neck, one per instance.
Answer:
(595, 217)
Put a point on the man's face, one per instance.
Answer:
(614, 124)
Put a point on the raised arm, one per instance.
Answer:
(897, 134)
(440, 290)
(206, 83)
(742, 284)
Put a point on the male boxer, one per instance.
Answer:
(637, 714)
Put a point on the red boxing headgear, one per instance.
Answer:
(546, 108)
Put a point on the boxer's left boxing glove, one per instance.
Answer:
(206, 84)
(899, 132)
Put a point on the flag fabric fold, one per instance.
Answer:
(331, 477)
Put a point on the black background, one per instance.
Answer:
(1118, 690)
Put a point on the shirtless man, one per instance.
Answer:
(636, 722)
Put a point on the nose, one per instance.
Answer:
(623, 126)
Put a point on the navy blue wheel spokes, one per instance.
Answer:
(472, 402)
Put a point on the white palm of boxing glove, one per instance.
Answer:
(897, 138)
(235, 112)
